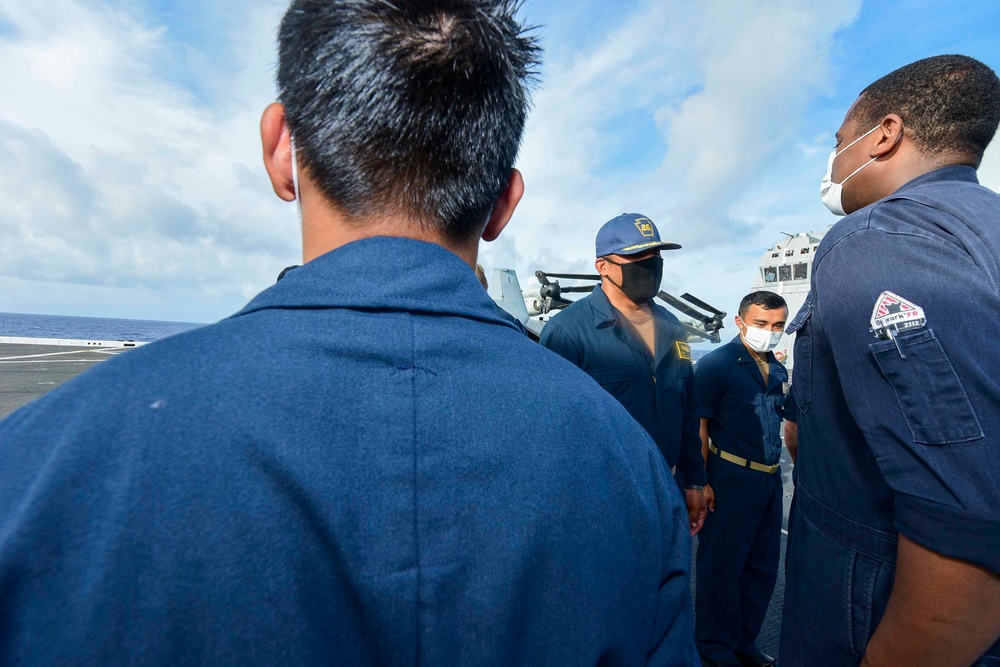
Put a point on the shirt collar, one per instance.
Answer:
(955, 172)
(383, 273)
(739, 351)
(741, 354)
(605, 313)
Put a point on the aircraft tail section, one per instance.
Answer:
(505, 290)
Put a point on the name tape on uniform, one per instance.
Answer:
(893, 312)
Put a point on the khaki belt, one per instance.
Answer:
(740, 461)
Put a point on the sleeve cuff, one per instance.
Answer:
(951, 531)
(695, 476)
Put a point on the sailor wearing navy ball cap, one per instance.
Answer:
(636, 349)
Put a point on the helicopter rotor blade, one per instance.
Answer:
(701, 304)
(575, 276)
(578, 288)
(683, 307)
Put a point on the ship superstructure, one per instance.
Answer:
(785, 269)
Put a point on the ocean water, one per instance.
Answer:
(24, 325)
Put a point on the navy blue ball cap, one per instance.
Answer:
(630, 234)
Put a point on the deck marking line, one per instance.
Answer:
(50, 354)
(52, 361)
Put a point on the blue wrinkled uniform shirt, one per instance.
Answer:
(366, 465)
(659, 393)
(744, 416)
(887, 444)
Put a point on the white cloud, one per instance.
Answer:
(118, 175)
(723, 88)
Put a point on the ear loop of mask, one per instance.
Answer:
(898, 139)
(295, 184)
(851, 144)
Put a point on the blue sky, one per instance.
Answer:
(130, 163)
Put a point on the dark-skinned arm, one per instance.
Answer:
(943, 612)
(792, 439)
(709, 492)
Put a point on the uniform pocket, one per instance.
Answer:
(682, 372)
(773, 411)
(930, 395)
(616, 381)
(730, 398)
(868, 585)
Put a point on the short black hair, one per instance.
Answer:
(948, 103)
(764, 299)
(413, 107)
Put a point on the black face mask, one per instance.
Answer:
(640, 280)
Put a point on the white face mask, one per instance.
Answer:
(761, 340)
(830, 193)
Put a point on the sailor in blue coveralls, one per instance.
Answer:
(741, 390)
(637, 349)
(348, 471)
(893, 553)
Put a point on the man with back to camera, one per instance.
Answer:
(320, 478)
(894, 544)
(637, 349)
(741, 391)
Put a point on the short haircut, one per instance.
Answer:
(410, 107)
(764, 299)
(948, 103)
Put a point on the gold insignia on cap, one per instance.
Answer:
(645, 227)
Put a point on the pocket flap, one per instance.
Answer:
(930, 395)
(606, 376)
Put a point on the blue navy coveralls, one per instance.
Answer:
(740, 545)
(889, 445)
(659, 393)
(349, 471)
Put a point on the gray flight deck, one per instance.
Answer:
(28, 371)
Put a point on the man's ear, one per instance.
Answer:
(890, 135)
(276, 140)
(601, 265)
(505, 206)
